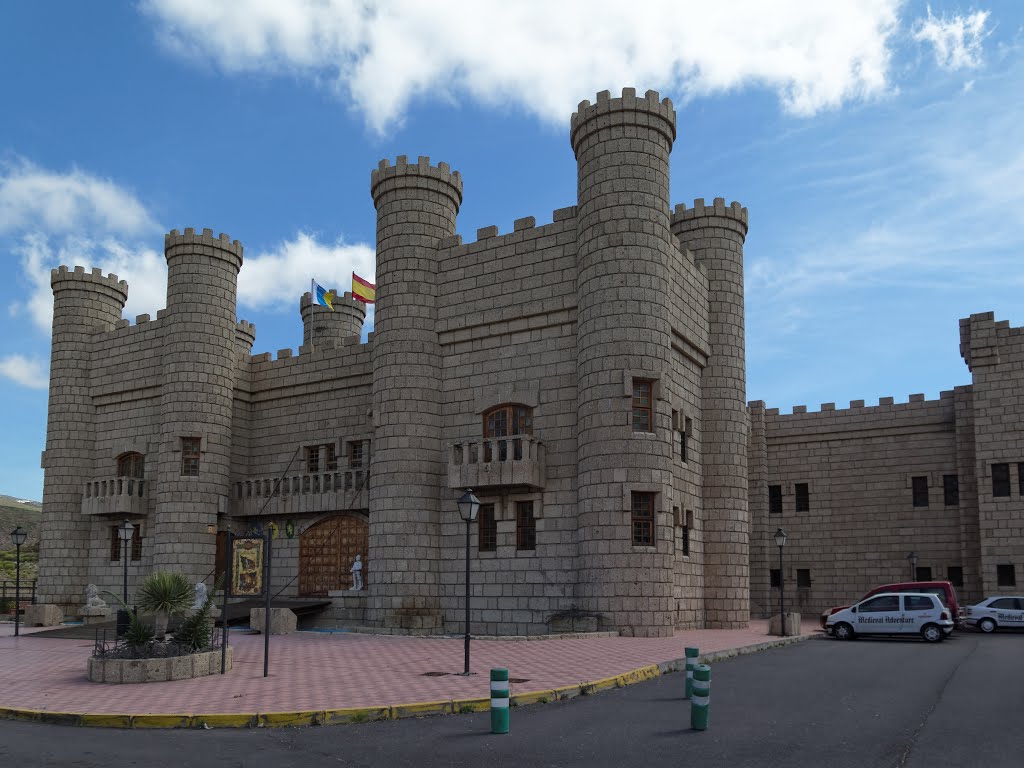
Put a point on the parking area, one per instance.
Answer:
(873, 702)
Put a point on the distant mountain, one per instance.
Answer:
(15, 512)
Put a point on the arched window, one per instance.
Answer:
(131, 465)
(507, 420)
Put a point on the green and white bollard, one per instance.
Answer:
(691, 663)
(700, 701)
(499, 700)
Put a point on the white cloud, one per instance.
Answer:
(275, 279)
(957, 40)
(27, 372)
(31, 197)
(544, 57)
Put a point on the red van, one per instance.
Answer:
(942, 589)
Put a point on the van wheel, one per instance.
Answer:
(842, 631)
(932, 633)
(987, 626)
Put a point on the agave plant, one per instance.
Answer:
(164, 594)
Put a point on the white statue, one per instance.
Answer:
(357, 574)
(92, 597)
(200, 596)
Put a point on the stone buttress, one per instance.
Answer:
(84, 303)
(200, 348)
(715, 234)
(416, 207)
(624, 334)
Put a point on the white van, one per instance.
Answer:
(893, 613)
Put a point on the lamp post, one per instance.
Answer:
(780, 541)
(469, 505)
(18, 536)
(912, 559)
(125, 531)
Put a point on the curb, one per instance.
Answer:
(371, 714)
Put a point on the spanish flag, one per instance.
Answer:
(363, 290)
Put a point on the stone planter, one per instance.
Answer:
(156, 670)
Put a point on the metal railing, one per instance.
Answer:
(28, 591)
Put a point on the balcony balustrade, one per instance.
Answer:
(495, 462)
(302, 493)
(115, 496)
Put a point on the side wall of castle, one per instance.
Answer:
(861, 523)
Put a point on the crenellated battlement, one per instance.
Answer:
(685, 218)
(439, 178)
(340, 299)
(629, 109)
(858, 406)
(63, 278)
(222, 242)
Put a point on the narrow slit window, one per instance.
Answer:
(526, 526)
(643, 519)
(487, 528)
(951, 490)
(803, 497)
(775, 499)
(1000, 479)
(643, 405)
(190, 457)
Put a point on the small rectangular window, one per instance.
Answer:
(775, 577)
(526, 526)
(115, 544)
(1000, 479)
(922, 573)
(355, 454)
(684, 437)
(1020, 479)
(775, 499)
(643, 405)
(643, 519)
(686, 533)
(955, 575)
(1006, 575)
(190, 457)
(803, 578)
(137, 544)
(332, 457)
(487, 528)
(313, 459)
(951, 490)
(920, 491)
(803, 497)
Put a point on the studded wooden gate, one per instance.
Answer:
(326, 552)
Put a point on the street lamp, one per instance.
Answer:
(912, 559)
(469, 505)
(780, 541)
(18, 536)
(125, 531)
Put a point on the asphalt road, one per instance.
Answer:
(819, 703)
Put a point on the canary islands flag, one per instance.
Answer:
(321, 296)
(363, 290)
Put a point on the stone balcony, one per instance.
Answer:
(121, 496)
(497, 462)
(301, 493)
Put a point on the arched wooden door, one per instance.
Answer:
(326, 552)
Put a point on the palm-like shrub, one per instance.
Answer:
(164, 594)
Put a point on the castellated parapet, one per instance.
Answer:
(324, 327)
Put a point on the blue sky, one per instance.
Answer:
(876, 143)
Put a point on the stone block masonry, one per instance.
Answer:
(586, 376)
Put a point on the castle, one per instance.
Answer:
(588, 385)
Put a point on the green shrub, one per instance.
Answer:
(194, 632)
(165, 594)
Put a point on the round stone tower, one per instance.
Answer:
(323, 328)
(84, 303)
(416, 207)
(200, 348)
(715, 234)
(625, 253)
